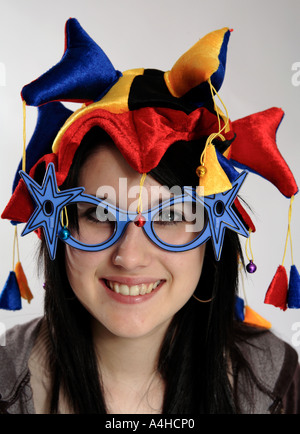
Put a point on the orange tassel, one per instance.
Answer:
(253, 318)
(22, 282)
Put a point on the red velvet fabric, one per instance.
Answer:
(142, 136)
(255, 147)
(245, 215)
(21, 206)
(277, 291)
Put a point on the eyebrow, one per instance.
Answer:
(156, 202)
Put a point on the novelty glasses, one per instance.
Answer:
(178, 224)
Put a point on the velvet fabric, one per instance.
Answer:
(20, 207)
(239, 309)
(255, 149)
(214, 180)
(204, 60)
(149, 89)
(22, 283)
(244, 215)
(254, 319)
(141, 135)
(277, 291)
(10, 298)
(145, 111)
(294, 289)
(84, 73)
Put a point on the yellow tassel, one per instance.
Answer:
(22, 282)
(19, 272)
(218, 182)
(213, 179)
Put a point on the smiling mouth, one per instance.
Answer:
(132, 290)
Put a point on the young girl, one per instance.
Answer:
(141, 278)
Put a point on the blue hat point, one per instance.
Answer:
(10, 297)
(84, 73)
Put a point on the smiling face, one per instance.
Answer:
(132, 288)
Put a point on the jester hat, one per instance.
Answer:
(145, 111)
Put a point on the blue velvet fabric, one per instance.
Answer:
(218, 77)
(10, 298)
(239, 309)
(227, 166)
(51, 118)
(83, 74)
(294, 289)
(243, 167)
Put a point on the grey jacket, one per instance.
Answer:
(274, 362)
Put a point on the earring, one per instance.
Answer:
(204, 301)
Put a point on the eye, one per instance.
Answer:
(91, 214)
(169, 215)
(94, 214)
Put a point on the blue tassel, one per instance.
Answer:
(294, 289)
(239, 309)
(10, 298)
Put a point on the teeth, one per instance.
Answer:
(124, 289)
(133, 290)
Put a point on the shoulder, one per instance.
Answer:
(15, 338)
(274, 364)
(15, 349)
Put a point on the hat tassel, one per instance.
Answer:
(16, 285)
(284, 292)
(10, 298)
(294, 289)
(244, 313)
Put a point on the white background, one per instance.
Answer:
(263, 48)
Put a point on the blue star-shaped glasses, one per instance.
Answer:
(178, 224)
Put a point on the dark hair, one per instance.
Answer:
(200, 340)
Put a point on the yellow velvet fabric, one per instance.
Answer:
(197, 65)
(215, 179)
(115, 101)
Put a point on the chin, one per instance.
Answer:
(130, 328)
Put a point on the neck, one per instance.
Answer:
(127, 357)
(128, 369)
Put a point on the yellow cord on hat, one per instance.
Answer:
(248, 241)
(140, 205)
(15, 243)
(289, 235)
(201, 169)
(64, 218)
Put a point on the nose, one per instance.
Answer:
(133, 250)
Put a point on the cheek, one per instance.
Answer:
(185, 269)
(80, 266)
